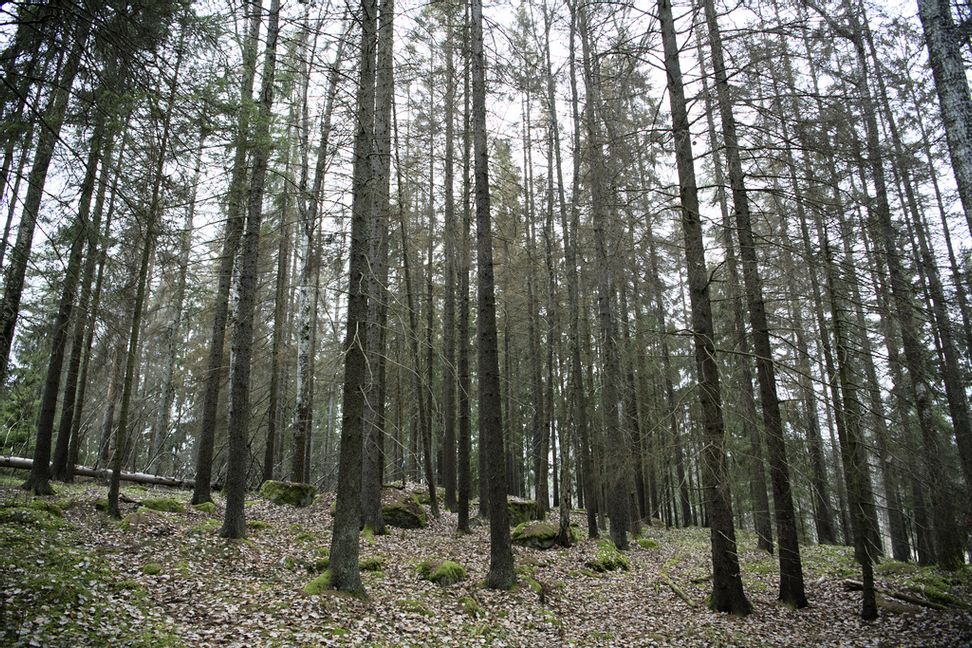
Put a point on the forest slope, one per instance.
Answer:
(72, 576)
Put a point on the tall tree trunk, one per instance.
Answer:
(727, 590)
(347, 518)
(757, 471)
(501, 575)
(232, 233)
(464, 477)
(52, 120)
(589, 468)
(791, 570)
(374, 416)
(241, 351)
(948, 69)
(307, 282)
(864, 521)
(604, 231)
(150, 233)
(449, 297)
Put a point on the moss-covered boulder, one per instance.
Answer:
(291, 493)
(608, 558)
(402, 510)
(520, 510)
(164, 504)
(539, 535)
(441, 572)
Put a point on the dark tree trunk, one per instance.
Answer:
(727, 590)
(501, 575)
(232, 233)
(52, 120)
(241, 349)
(791, 570)
(347, 518)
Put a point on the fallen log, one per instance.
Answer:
(23, 463)
(678, 591)
(857, 586)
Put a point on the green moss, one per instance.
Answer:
(415, 607)
(101, 504)
(403, 511)
(25, 516)
(289, 562)
(83, 601)
(470, 606)
(164, 504)
(306, 536)
(205, 527)
(47, 506)
(368, 535)
(290, 493)
(648, 543)
(441, 572)
(258, 525)
(533, 584)
(205, 507)
(152, 568)
(520, 510)
(371, 563)
(319, 585)
(319, 565)
(608, 558)
(539, 535)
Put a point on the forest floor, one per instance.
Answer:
(72, 576)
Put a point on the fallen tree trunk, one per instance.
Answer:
(104, 473)
(678, 591)
(857, 586)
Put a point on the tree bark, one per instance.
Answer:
(241, 352)
(347, 519)
(232, 233)
(727, 590)
(501, 575)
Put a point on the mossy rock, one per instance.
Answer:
(205, 507)
(520, 510)
(648, 543)
(319, 585)
(442, 572)
(371, 563)
(290, 493)
(608, 558)
(539, 535)
(101, 504)
(152, 568)
(164, 504)
(402, 510)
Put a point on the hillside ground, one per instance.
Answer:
(72, 576)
